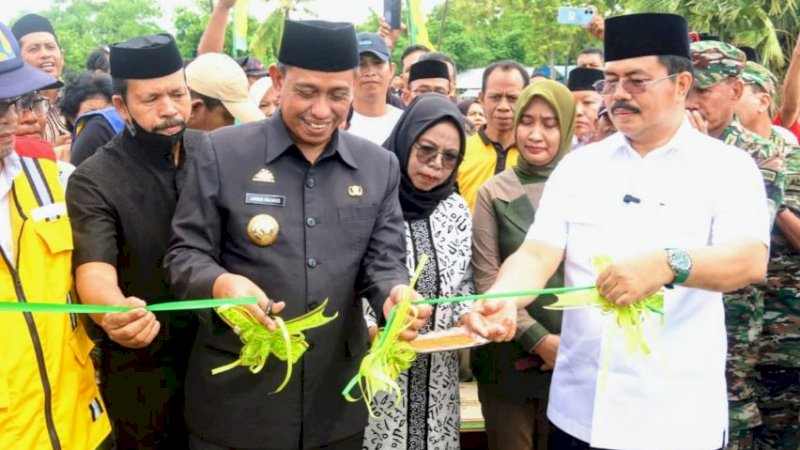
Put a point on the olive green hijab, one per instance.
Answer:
(560, 99)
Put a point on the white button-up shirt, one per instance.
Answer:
(12, 166)
(693, 192)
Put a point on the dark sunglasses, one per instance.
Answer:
(427, 153)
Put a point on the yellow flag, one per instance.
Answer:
(418, 31)
(240, 26)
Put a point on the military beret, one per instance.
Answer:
(715, 61)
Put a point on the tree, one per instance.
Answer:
(191, 22)
(266, 39)
(83, 25)
(478, 32)
(770, 26)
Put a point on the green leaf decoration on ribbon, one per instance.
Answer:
(629, 318)
(389, 356)
(287, 342)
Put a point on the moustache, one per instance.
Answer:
(623, 105)
(169, 123)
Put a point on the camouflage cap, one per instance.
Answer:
(754, 73)
(715, 61)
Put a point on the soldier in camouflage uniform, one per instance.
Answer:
(715, 95)
(779, 359)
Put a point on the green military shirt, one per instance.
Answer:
(744, 308)
(781, 336)
(765, 153)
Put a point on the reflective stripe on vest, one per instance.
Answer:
(44, 198)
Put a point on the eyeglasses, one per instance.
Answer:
(39, 105)
(7, 103)
(427, 153)
(427, 90)
(605, 87)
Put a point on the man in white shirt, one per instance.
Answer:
(373, 118)
(670, 206)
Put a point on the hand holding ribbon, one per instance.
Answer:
(629, 316)
(389, 354)
(287, 343)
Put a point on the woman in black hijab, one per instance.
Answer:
(429, 142)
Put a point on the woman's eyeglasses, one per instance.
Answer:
(427, 153)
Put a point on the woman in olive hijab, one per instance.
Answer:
(514, 377)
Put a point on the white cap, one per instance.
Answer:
(259, 88)
(220, 77)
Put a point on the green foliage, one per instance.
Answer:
(475, 32)
(191, 22)
(479, 32)
(770, 26)
(189, 26)
(265, 41)
(83, 25)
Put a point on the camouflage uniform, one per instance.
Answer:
(714, 62)
(779, 359)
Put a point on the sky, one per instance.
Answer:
(355, 11)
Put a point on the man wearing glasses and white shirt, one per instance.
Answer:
(670, 206)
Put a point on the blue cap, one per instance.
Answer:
(373, 43)
(16, 76)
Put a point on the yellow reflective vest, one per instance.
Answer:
(48, 395)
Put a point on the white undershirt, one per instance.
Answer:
(375, 129)
(12, 166)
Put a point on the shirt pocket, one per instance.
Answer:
(683, 226)
(55, 246)
(357, 223)
(81, 345)
(588, 230)
(56, 234)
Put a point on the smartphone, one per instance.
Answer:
(391, 12)
(568, 15)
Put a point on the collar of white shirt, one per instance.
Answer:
(679, 141)
(12, 166)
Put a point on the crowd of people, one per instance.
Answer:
(327, 176)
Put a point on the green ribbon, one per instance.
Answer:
(477, 297)
(629, 318)
(70, 308)
(389, 356)
(287, 342)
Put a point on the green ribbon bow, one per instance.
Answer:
(389, 356)
(287, 343)
(629, 318)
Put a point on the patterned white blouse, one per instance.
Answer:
(428, 417)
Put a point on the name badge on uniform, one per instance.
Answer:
(793, 183)
(49, 212)
(769, 175)
(264, 199)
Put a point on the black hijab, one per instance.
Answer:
(424, 112)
